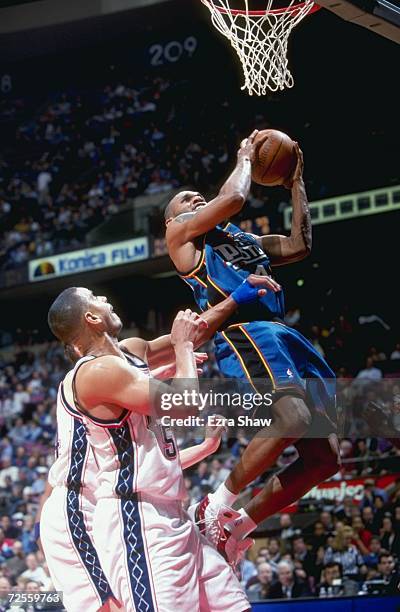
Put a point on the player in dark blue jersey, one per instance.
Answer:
(213, 257)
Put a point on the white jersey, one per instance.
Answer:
(134, 454)
(67, 516)
(135, 541)
(74, 465)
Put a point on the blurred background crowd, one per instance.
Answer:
(89, 129)
(341, 544)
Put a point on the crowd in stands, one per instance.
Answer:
(342, 547)
(73, 161)
(81, 156)
(76, 157)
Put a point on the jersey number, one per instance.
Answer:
(169, 443)
(165, 440)
(260, 270)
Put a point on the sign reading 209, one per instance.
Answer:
(172, 51)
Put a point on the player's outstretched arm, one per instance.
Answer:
(194, 454)
(159, 351)
(288, 249)
(108, 384)
(228, 202)
(167, 371)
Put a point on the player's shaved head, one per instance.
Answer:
(65, 317)
(183, 202)
(168, 212)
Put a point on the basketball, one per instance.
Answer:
(275, 158)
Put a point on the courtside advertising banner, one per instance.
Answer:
(85, 260)
(334, 491)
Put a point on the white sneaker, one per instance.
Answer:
(235, 550)
(211, 521)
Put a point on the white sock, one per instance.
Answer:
(241, 527)
(223, 496)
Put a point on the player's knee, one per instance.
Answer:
(327, 457)
(332, 459)
(292, 417)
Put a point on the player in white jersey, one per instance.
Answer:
(66, 518)
(140, 478)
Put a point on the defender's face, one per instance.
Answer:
(187, 201)
(99, 306)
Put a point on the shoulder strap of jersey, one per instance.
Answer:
(134, 360)
(118, 421)
(230, 227)
(67, 405)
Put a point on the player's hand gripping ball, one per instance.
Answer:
(275, 158)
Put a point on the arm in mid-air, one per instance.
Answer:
(108, 384)
(167, 371)
(228, 202)
(160, 351)
(194, 454)
(288, 249)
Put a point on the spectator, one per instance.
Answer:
(263, 552)
(5, 588)
(35, 571)
(379, 511)
(273, 553)
(28, 536)
(331, 574)
(344, 511)
(326, 519)
(287, 529)
(17, 434)
(201, 475)
(318, 537)
(6, 451)
(368, 496)
(9, 472)
(5, 547)
(43, 181)
(396, 353)
(33, 587)
(371, 559)
(301, 553)
(39, 485)
(261, 587)
(10, 531)
(362, 536)
(369, 520)
(386, 566)
(370, 373)
(287, 586)
(16, 564)
(344, 552)
(245, 570)
(20, 398)
(389, 539)
(218, 474)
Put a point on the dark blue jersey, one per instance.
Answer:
(254, 344)
(227, 258)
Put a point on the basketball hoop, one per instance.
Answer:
(260, 39)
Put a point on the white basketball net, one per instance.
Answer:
(260, 39)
